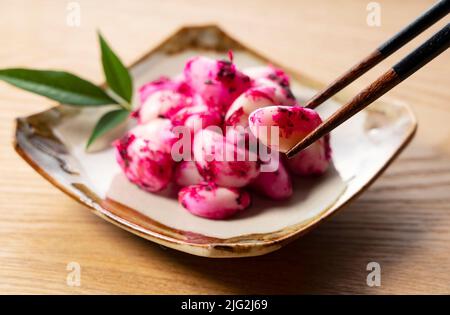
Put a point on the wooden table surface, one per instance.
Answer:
(402, 222)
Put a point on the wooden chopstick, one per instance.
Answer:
(428, 18)
(434, 46)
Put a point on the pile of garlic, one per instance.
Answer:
(210, 100)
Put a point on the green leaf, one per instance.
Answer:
(107, 122)
(117, 76)
(57, 85)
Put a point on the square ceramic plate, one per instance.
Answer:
(52, 142)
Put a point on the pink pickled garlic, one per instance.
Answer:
(253, 99)
(187, 174)
(213, 202)
(218, 82)
(223, 162)
(294, 123)
(276, 184)
(163, 98)
(314, 160)
(144, 162)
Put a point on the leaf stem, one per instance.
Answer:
(120, 101)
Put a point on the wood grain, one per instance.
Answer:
(402, 222)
